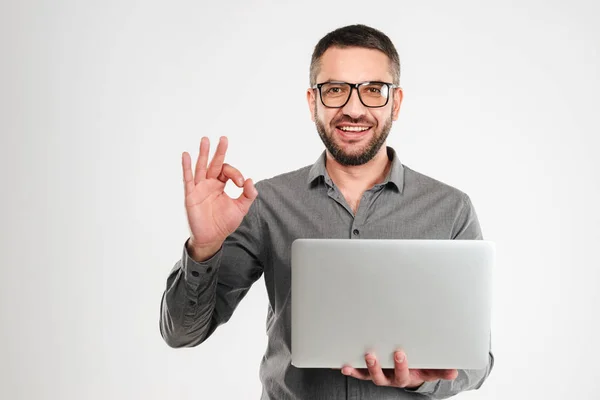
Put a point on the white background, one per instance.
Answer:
(99, 99)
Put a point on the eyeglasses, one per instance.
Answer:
(371, 94)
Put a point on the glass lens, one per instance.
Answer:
(374, 94)
(335, 94)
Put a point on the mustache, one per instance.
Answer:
(351, 120)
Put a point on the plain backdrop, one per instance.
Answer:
(98, 99)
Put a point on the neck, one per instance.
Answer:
(358, 178)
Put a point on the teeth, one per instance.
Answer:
(354, 128)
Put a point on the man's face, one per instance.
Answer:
(354, 133)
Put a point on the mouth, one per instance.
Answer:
(352, 132)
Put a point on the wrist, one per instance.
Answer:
(201, 253)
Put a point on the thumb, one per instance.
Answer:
(247, 197)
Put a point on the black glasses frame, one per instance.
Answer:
(355, 86)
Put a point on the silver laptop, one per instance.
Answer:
(431, 298)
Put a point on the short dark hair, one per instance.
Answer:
(356, 36)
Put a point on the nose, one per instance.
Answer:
(354, 108)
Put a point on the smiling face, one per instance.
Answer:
(354, 133)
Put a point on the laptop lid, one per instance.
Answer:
(432, 298)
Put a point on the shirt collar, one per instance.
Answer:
(394, 176)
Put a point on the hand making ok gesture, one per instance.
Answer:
(212, 214)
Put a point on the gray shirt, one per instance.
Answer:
(306, 204)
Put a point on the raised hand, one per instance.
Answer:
(212, 214)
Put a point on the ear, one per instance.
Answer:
(398, 95)
(310, 97)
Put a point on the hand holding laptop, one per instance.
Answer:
(400, 376)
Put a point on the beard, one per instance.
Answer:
(360, 158)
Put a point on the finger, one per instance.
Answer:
(216, 164)
(229, 172)
(362, 374)
(202, 160)
(375, 370)
(188, 178)
(447, 374)
(401, 372)
(435, 374)
(428, 374)
(247, 197)
(451, 374)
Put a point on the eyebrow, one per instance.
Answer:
(340, 81)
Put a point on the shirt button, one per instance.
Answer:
(355, 232)
(192, 303)
(195, 273)
(209, 270)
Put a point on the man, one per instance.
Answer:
(357, 189)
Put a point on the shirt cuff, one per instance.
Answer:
(195, 272)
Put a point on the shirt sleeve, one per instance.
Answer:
(466, 227)
(200, 296)
(466, 224)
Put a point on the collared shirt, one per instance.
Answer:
(306, 203)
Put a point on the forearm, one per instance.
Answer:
(188, 303)
(468, 379)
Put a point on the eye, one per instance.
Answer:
(334, 90)
(374, 90)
